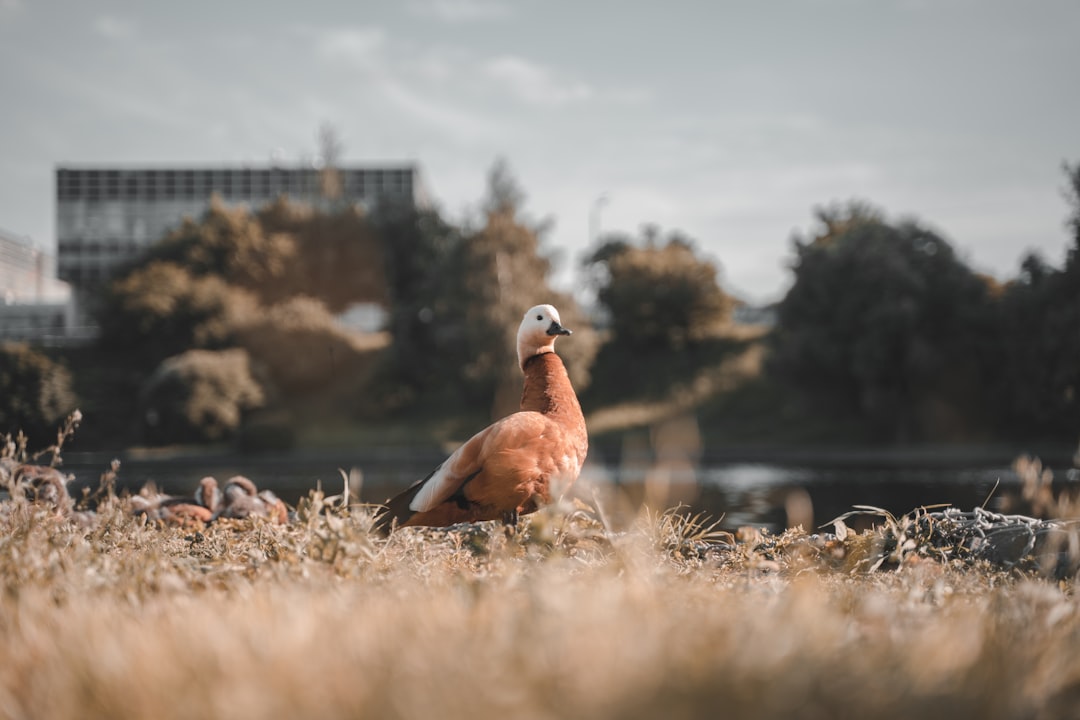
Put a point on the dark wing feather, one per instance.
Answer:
(396, 509)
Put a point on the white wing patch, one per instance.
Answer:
(430, 494)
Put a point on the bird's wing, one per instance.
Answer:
(513, 431)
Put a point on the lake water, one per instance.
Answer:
(765, 494)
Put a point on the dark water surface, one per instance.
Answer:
(812, 491)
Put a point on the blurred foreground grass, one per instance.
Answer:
(569, 618)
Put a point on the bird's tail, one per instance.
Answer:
(396, 511)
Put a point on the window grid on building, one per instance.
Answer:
(105, 216)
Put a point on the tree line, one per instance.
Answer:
(230, 321)
(886, 324)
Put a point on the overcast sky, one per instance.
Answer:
(727, 121)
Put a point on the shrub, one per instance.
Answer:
(230, 243)
(35, 392)
(301, 346)
(199, 395)
(162, 310)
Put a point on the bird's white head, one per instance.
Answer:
(539, 328)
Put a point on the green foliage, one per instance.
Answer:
(300, 345)
(417, 247)
(192, 288)
(658, 296)
(498, 272)
(232, 245)
(284, 250)
(198, 396)
(162, 309)
(341, 262)
(655, 373)
(1041, 322)
(35, 392)
(458, 298)
(505, 196)
(885, 321)
(503, 274)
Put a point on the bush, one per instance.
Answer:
(162, 309)
(199, 396)
(35, 392)
(230, 243)
(301, 347)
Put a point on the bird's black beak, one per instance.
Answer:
(557, 329)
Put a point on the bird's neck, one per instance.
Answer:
(527, 348)
(547, 387)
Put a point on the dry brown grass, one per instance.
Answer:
(568, 618)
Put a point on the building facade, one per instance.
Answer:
(22, 269)
(33, 304)
(105, 217)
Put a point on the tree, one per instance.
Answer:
(505, 195)
(330, 151)
(162, 310)
(285, 249)
(192, 287)
(340, 259)
(417, 246)
(35, 392)
(459, 295)
(886, 322)
(1041, 331)
(499, 271)
(504, 273)
(657, 294)
(301, 347)
(233, 245)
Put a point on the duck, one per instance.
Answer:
(515, 465)
(242, 499)
(42, 484)
(182, 511)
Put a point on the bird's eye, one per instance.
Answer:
(539, 317)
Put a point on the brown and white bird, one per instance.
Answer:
(243, 500)
(42, 484)
(518, 463)
(182, 511)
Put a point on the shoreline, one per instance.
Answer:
(1054, 456)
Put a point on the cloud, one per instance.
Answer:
(630, 95)
(412, 88)
(433, 68)
(463, 125)
(460, 11)
(114, 28)
(535, 84)
(361, 48)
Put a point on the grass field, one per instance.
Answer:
(106, 616)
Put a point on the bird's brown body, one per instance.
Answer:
(194, 511)
(513, 466)
(242, 499)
